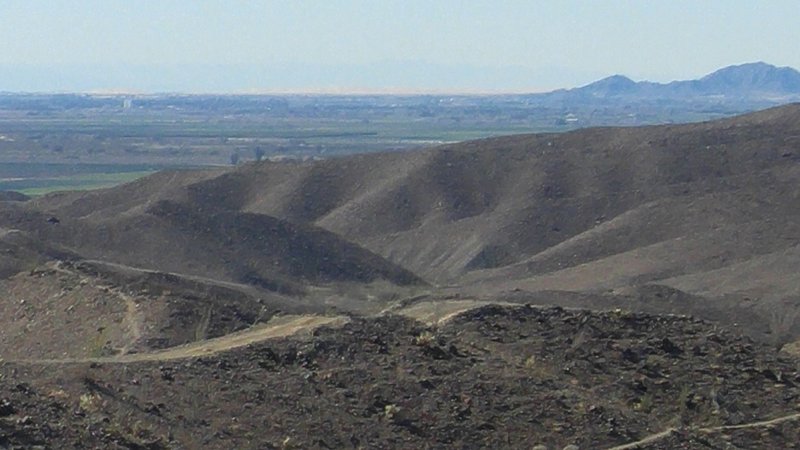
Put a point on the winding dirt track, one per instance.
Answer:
(645, 441)
(429, 313)
(276, 328)
(438, 312)
(706, 430)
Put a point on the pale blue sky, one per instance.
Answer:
(445, 45)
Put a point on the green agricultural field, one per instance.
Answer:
(82, 182)
(71, 142)
(40, 181)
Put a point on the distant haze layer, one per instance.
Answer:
(389, 77)
(394, 78)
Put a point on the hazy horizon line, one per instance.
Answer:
(333, 92)
(279, 74)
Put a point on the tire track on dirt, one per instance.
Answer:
(279, 327)
(705, 430)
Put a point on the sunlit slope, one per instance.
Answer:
(590, 209)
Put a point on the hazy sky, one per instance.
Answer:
(466, 45)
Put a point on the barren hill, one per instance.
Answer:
(167, 303)
(692, 206)
(493, 377)
(495, 202)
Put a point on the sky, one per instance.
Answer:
(234, 46)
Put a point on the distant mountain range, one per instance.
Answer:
(752, 81)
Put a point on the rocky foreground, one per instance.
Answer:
(493, 377)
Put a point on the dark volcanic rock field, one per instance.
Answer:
(493, 377)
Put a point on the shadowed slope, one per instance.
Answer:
(493, 203)
(591, 210)
(701, 219)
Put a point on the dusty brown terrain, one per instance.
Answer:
(374, 301)
(709, 209)
(492, 377)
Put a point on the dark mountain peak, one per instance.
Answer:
(615, 84)
(753, 77)
(615, 79)
(758, 67)
(757, 80)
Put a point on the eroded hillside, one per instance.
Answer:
(711, 209)
(164, 313)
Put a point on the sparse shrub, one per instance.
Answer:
(90, 403)
(390, 411)
(97, 346)
(425, 339)
(288, 444)
(619, 313)
(644, 403)
(782, 321)
(58, 394)
(537, 368)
